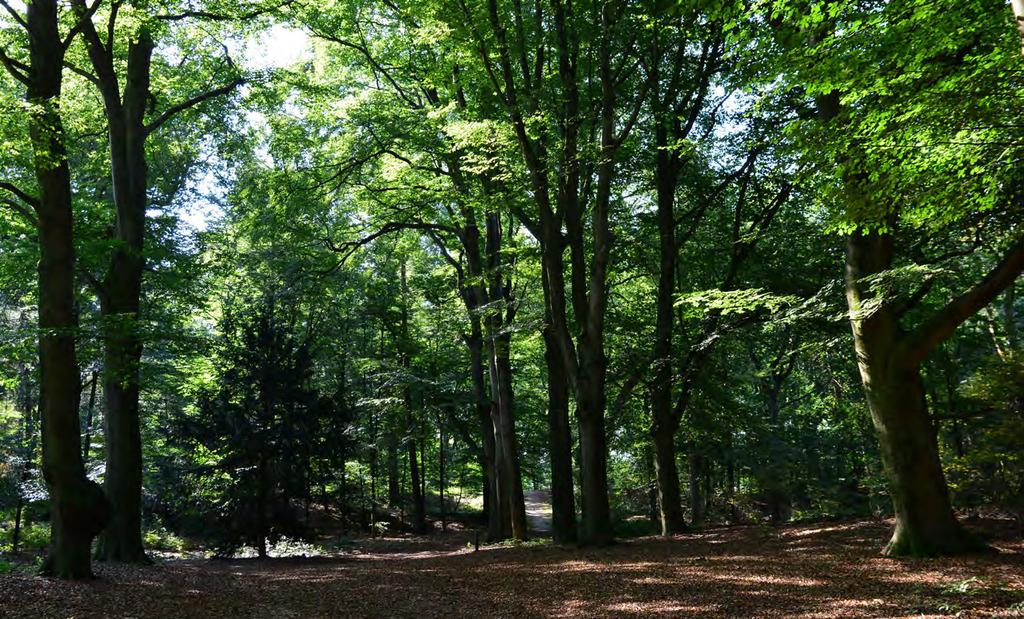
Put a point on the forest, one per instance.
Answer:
(536, 308)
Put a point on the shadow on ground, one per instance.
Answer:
(826, 570)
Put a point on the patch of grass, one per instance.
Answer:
(162, 539)
(33, 537)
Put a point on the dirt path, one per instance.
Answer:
(538, 511)
(825, 570)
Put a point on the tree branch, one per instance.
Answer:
(211, 16)
(22, 195)
(918, 344)
(194, 101)
(21, 210)
(85, 16)
(18, 70)
(10, 11)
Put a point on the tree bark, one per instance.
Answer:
(665, 424)
(482, 406)
(696, 462)
(394, 493)
(925, 524)
(563, 509)
(121, 289)
(90, 407)
(499, 315)
(419, 508)
(78, 508)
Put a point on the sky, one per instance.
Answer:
(275, 48)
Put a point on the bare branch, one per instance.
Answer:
(82, 72)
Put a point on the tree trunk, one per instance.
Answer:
(925, 524)
(87, 441)
(78, 508)
(696, 491)
(121, 291)
(563, 509)
(510, 448)
(16, 534)
(419, 516)
(441, 440)
(596, 527)
(483, 412)
(394, 493)
(670, 509)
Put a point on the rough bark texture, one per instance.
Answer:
(78, 508)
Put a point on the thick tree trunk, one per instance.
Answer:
(664, 425)
(78, 508)
(563, 509)
(121, 292)
(510, 447)
(925, 524)
(502, 495)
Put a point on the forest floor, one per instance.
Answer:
(820, 570)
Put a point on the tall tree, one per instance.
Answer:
(571, 164)
(79, 509)
(120, 289)
(886, 147)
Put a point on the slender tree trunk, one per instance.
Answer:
(482, 406)
(87, 441)
(394, 493)
(419, 517)
(441, 443)
(696, 462)
(16, 534)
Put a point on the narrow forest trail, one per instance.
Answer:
(803, 571)
(538, 511)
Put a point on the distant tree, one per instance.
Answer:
(262, 428)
